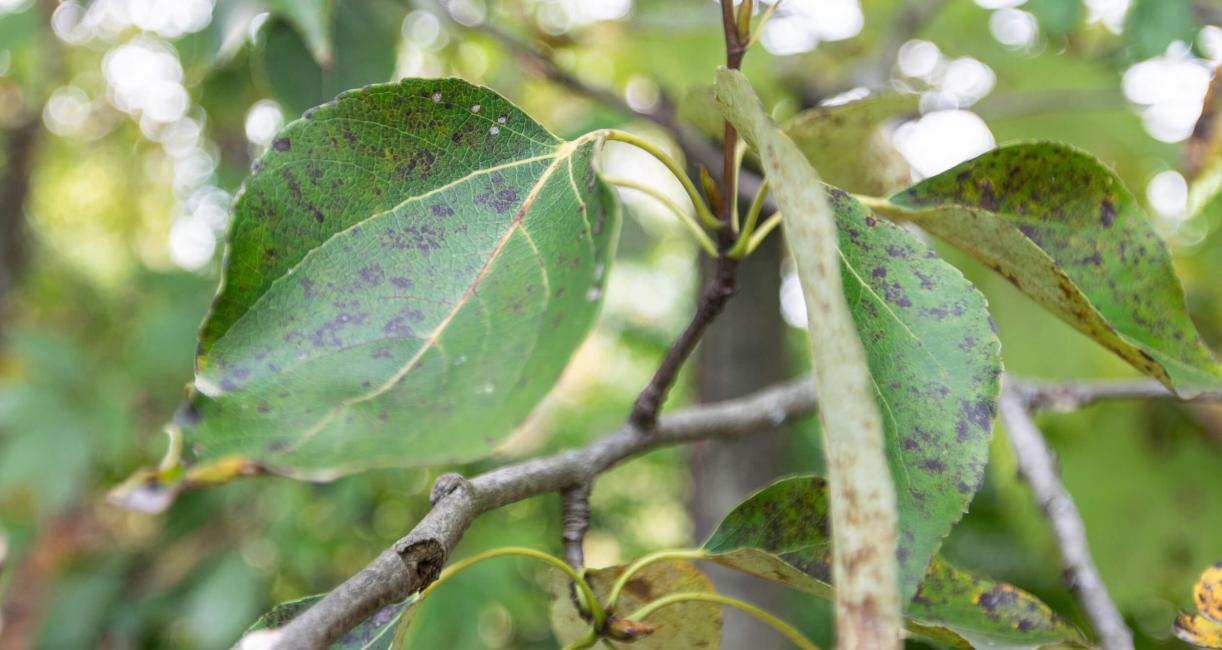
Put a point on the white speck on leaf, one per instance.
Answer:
(494, 130)
(594, 293)
(436, 97)
(475, 108)
(488, 389)
(501, 120)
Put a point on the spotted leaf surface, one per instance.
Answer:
(409, 270)
(848, 147)
(690, 624)
(935, 362)
(1204, 628)
(375, 633)
(1059, 225)
(782, 534)
(863, 500)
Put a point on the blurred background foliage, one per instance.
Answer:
(126, 127)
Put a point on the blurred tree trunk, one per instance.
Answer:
(19, 145)
(744, 350)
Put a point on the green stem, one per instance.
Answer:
(641, 563)
(587, 594)
(702, 208)
(740, 151)
(765, 229)
(777, 624)
(742, 246)
(759, 29)
(701, 236)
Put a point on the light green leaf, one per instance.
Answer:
(862, 493)
(782, 534)
(847, 145)
(366, 37)
(409, 270)
(1060, 226)
(682, 625)
(375, 633)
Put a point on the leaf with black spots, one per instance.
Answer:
(782, 534)
(409, 270)
(1061, 227)
(682, 625)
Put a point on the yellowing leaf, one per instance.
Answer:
(1198, 630)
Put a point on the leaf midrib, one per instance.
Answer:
(561, 154)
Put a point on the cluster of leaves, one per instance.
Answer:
(411, 266)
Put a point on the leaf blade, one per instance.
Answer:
(951, 606)
(1060, 226)
(405, 314)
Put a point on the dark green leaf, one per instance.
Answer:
(935, 360)
(409, 269)
(376, 633)
(1151, 25)
(682, 625)
(781, 534)
(846, 145)
(366, 37)
(312, 19)
(1056, 17)
(1060, 226)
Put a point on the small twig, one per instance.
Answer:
(575, 521)
(1062, 397)
(415, 561)
(1037, 466)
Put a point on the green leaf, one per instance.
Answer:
(1061, 227)
(409, 270)
(682, 625)
(1151, 25)
(366, 38)
(312, 19)
(782, 534)
(846, 144)
(1056, 17)
(375, 633)
(863, 495)
(935, 362)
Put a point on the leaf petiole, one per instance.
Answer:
(642, 562)
(701, 236)
(702, 209)
(587, 594)
(742, 246)
(780, 626)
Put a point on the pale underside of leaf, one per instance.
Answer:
(1059, 226)
(863, 497)
(374, 633)
(405, 287)
(682, 625)
(848, 147)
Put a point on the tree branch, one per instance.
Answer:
(1037, 466)
(414, 561)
